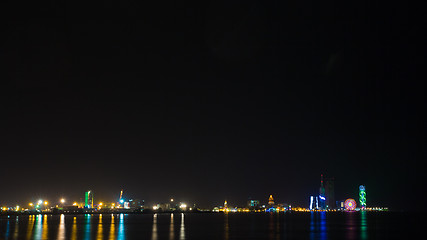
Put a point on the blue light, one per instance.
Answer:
(322, 198)
(121, 200)
(311, 202)
(271, 209)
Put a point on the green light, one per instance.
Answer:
(86, 199)
(362, 196)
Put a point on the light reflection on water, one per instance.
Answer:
(38, 227)
(99, 233)
(171, 229)
(350, 225)
(30, 226)
(61, 228)
(7, 229)
(182, 228)
(226, 227)
(121, 233)
(363, 226)
(154, 229)
(15, 234)
(112, 228)
(318, 228)
(86, 235)
(314, 225)
(74, 229)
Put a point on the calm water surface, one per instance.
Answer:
(353, 225)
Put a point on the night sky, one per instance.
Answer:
(212, 101)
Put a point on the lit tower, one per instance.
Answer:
(271, 200)
(322, 198)
(121, 200)
(88, 199)
(362, 197)
(225, 204)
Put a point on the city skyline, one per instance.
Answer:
(212, 101)
(88, 199)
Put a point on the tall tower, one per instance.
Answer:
(271, 200)
(88, 199)
(362, 197)
(322, 198)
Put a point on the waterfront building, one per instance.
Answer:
(322, 198)
(271, 200)
(252, 204)
(88, 199)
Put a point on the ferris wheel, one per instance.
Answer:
(350, 204)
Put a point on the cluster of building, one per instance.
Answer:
(86, 206)
(254, 205)
(324, 201)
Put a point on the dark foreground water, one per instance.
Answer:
(347, 225)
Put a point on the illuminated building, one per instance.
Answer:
(362, 197)
(322, 198)
(340, 205)
(88, 199)
(253, 203)
(225, 204)
(271, 200)
(136, 204)
(312, 206)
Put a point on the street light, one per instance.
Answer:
(62, 201)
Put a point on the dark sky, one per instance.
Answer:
(212, 101)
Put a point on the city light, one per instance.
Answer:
(350, 204)
(362, 196)
(134, 205)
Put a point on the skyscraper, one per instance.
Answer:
(89, 199)
(322, 198)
